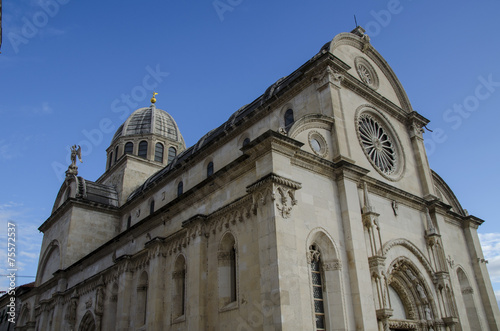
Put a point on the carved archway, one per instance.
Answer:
(88, 322)
(409, 288)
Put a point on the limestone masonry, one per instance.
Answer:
(311, 208)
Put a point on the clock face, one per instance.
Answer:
(366, 72)
(378, 144)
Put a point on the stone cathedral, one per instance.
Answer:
(311, 208)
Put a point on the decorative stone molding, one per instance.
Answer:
(395, 324)
(285, 201)
(468, 290)
(88, 303)
(271, 186)
(366, 72)
(412, 248)
(313, 255)
(332, 265)
(99, 301)
(329, 76)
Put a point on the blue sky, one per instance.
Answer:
(71, 71)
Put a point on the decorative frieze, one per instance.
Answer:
(279, 189)
(332, 265)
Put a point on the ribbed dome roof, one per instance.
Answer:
(149, 120)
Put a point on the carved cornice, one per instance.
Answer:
(313, 163)
(276, 179)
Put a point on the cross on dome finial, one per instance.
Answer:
(153, 99)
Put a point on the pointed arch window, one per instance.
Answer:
(172, 152)
(180, 189)
(159, 152)
(227, 272)
(110, 160)
(151, 207)
(179, 294)
(142, 299)
(116, 154)
(143, 149)
(317, 287)
(289, 120)
(210, 169)
(129, 148)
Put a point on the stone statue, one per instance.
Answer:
(421, 292)
(410, 274)
(74, 153)
(428, 313)
(73, 169)
(71, 313)
(99, 301)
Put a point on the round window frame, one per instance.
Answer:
(323, 152)
(359, 61)
(389, 130)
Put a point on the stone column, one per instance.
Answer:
(196, 294)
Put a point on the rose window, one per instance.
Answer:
(377, 144)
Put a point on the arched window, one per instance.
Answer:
(143, 149)
(142, 299)
(110, 160)
(180, 189)
(227, 271)
(129, 148)
(172, 152)
(246, 142)
(151, 207)
(210, 169)
(116, 154)
(159, 152)
(129, 222)
(288, 119)
(317, 287)
(179, 293)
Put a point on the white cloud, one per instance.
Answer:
(7, 151)
(43, 109)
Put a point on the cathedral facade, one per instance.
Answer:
(311, 208)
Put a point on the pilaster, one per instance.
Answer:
(415, 124)
(355, 246)
(125, 290)
(487, 296)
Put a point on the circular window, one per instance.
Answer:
(366, 72)
(379, 145)
(317, 143)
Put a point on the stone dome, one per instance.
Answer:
(150, 120)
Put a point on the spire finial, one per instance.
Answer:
(367, 208)
(430, 223)
(153, 99)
